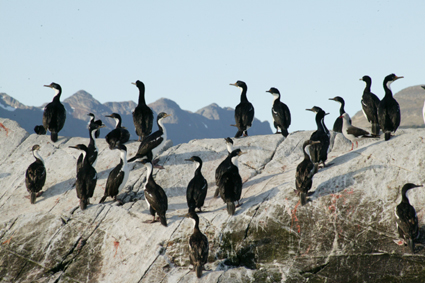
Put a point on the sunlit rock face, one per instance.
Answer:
(346, 232)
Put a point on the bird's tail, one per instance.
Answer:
(163, 220)
(217, 192)
(375, 129)
(54, 136)
(231, 208)
(33, 197)
(103, 199)
(387, 136)
(238, 134)
(303, 198)
(83, 204)
(198, 270)
(411, 245)
(284, 132)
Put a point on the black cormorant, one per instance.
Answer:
(155, 196)
(35, 176)
(244, 112)
(92, 149)
(198, 244)
(86, 178)
(92, 122)
(119, 135)
(338, 122)
(406, 218)
(352, 133)
(142, 114)
(388, 109)
(54, 113)
(304, 174)
(197, 187)
(370, 104)
(280, 112)
(230, 182)
(40, 130)
(222, 167)
(118, 176)
(319, 152)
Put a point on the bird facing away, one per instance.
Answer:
(92, 123)
(154, 143)
(142, 114)
(155, 196)
(244, 112)
(119, 135)
(230, 181)
(222, 167)
(92, 149)
(280, 112)
(304, 174)
(389, 109)
(352, 133)
(198, 245)
(197, 187)
(406, 218)
(86, 178)
(54, 114)
(370, 104)
(338, 122)
(35, 176)
(319, 152)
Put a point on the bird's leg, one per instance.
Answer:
(39, 193)
(352, 146)
(357, 144)
(239, 204)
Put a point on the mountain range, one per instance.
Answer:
(211, 121)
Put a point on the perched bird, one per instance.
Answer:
(40, 130)
(92, 149)
(280, 112)
(142, 114)
(244, 112)
(35, 176)
(118, 176)
(406, 218)
(86, 178)
(197, 187)
(54, 114)
(92, 122)
(198, 244)
(155, 196)
(154, 143)
(304, 174)
(388, 109)
(230, 182)
(338, 122)
(119, 135)
(352, 133)
(222, 167)
(319, 152)
(370, 104)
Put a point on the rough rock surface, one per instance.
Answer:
(345, 234)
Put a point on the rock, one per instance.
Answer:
(346, 233)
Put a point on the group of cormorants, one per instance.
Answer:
(384, 114)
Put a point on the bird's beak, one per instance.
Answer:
(167, 115)
(315, 142)
(73, 146)
(327, 114)
(47, 86)
(360, 79)
(268, 91)
(242, 153)
(396, 77)
(233, 84)
(310, 110)
(102, 126)
(188, 160)
(110, 116)
(331, 98)
(133, 83)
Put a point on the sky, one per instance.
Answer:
(190, 51)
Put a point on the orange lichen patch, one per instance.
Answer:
(7, 241)
(295, 218)
(6, 129)
(116, 245)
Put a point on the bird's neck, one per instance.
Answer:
(404, 196)
(276, 97)
(37, 156)
(117, 123)
(198, 168)
(367, 87)
(243, 95)
(142, 97)
(341, 108)
(387, 88)
(163, 129)
(57, 95)
(235, 160)
(92, 137)
(149, 172)
(123, 156)
(229, 147)
(306, 155)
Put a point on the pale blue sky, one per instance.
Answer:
(189, 51)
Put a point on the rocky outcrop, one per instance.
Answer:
(345, 234)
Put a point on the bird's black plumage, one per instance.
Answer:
(280, 112)
(119, 135)
(198, 244)
(35, 176)
(152, 144)
(388, 109)
(93, 123)
(244, 112)
(304, 173)
(118, 177)
(155, 196)
(142, 114)
(92, 149)
(197, 187)
(86, 178)
(54, 114)
(222, 166)
(406, 218)
(40, 130)
(319, 152)
(370, 104)
(230, 182)
(338, 122)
